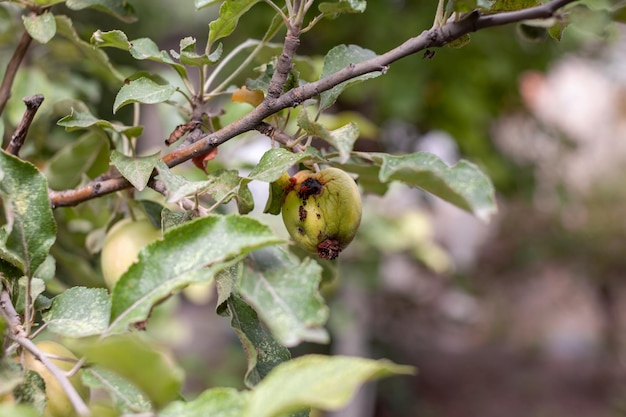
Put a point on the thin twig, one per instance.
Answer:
(279, 136)
(9, 313)
(19, 136)
(77, 402)
(433, 38)
(18, 335)
(14, 65)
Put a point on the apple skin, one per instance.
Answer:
(122, 245)
(322, 211)
(57, 402)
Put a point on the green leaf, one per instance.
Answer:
(226, 282)
(222, 186)
(244, 197)
(137, 361)
(121, 9)
(146, 48)
(277, 192)
(464, 6)
(189, 56)
(31, 391)
(47, 269)
(367, 177)
(136, 170)
(459, 42)
(215, 402)
(37, 287)
(274, 163)
(341, 139)
(30, 230)
(337, 59)
(46, 2)
(320, 382)
(68, 166)
(512, 5)
(332, 10)
(41, 27)
(227, 184)
(142, 48)
(143, 90)
(262, 350)
(127, 397)
(225, 24)
(79, 312)
(84, 119)
(463, 184)
(283, 290)
(179, 187)
(191, 252)
(114, 39)
(556, 30)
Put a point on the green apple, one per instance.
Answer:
(122, 245)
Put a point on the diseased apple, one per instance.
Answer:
(322, 211)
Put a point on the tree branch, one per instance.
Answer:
(433, 38)
(285, 62)
(14, 65)
(19, 136)
(279, 136)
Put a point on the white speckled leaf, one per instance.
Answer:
(316, 381)
(41, 27)
(462, 184)
(262, 350)
(136, 170)
(191, 252)
(215, 402)
(80, 312)
(337, 59)
(341, 139)
(142, 90)
(274, 163)
(284, 292)
(30, 230)
(127, 397)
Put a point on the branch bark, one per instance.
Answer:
(14, 65)
(433, 38)
(19, 136)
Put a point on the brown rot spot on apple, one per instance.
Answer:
(310, 187)
(302, 213)
(290, 185)
(319, 216)
(329, 249)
